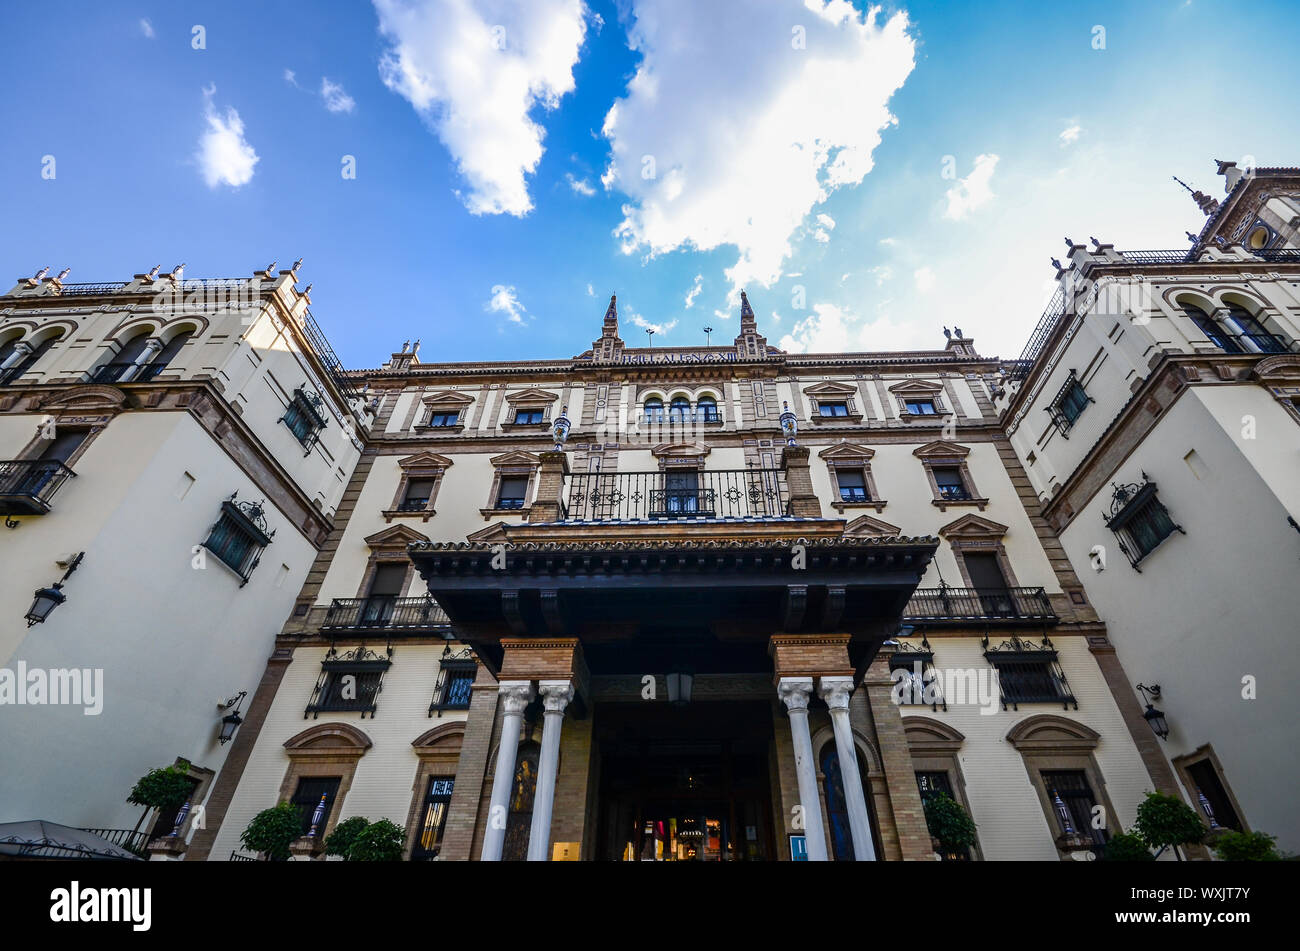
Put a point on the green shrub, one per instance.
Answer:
(164, 789)
(344, 835)
(272, 830)
(1127, 847)
(949, 823)
(1164, 821)
(380, 841)
(1246, 847)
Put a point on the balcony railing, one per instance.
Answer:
(1251, 342)
(980, 604)
(133, 840)
(389, 614)
(704, 493)
(27, 485)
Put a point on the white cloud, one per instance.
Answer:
(973, 191)
(694, 292)
(833, 329)
(224, 155)
(721, 138)
(661, 328)
(146, 27)
(475, 76)
(822, 235)
(882, 273)
(924, 278)
(889, 242)
(336, 98)
(505, 300)
(591, 291)
(1071, 134)
(826, 221)
(291, 78)
(580, 186)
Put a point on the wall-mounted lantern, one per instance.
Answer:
(47, 599)
(1153, 716)
(680, 684)
(230, 722)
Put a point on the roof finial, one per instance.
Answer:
(746, 312)
(1203, 201)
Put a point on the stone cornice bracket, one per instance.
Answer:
(836, 691)
(795, 692)
(515, 696)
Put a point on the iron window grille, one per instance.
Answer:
(1073, 804)
(456, 673)
(349, 682)
(239, 536)
(922, 679)
(1139, 519)
(1029, 673)
(305, 417)
(433, 818)
(1068, 404)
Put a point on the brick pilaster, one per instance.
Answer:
(798, 478)
(471, 768)
(223, 790)
(550, 487)
(896, 760)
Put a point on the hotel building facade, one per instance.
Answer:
(754, 605)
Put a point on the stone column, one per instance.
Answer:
(22, 350)
(152, 346)
(836, 692)
(798, 479)
(794, 693)
(550, 487)
(556, 695)
(515, 695)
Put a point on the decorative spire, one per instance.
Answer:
(611, 313)
(746, 312)
(1203, 201)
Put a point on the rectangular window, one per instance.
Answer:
(1073, 402)
(237, 540)
(1142, 521)
(418, 493)
(385, 588)
(921, 685)
(832, 408)
(1074, 805)
(853, 485)
(990, 584)
(1029, 674)
(951, 486)
(456, 685)
(443, 419)
(528, 416)
(305, 417)
(315, 797)
(513, 491)
(346, 690)
(921, 407)
(1208, 784)
(433, 818)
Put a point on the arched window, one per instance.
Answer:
(654, 410)
(520, 820)
(165, 356)
(1253, 330)
(23, 365)
(1210, 327)
(119, 367)
(837, 807)
(7, 348)
(679, 410)
(706, 409)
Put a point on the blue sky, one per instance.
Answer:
(920, 168)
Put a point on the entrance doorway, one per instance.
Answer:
(685, 785)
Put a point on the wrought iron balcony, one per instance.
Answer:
(1004, 605)
(383, 613)
(670, 494)
(27, 485)
(133, 840)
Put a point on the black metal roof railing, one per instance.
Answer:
(328, 358)
(1038, 339)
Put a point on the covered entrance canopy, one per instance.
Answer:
(627, 598)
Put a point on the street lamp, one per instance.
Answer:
(1154, 716)
(47, 599)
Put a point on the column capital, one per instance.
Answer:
(515, 695)
(556, 694)
(795, 692)
(25, 348)
(836, 691)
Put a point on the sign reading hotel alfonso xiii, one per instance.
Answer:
(669, 356)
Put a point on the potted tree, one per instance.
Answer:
(1166, 821)
(165, 789)
(952, 831)
(1127, 847)
(272, 830)
(1232, 846)
(344, 835)
(359, 840)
